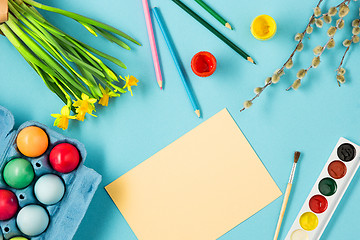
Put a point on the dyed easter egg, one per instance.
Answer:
(32, 220)
(18, 173)
(49, 189)
(18, 238)
(64, 158)
(8, 205)
(32, 141)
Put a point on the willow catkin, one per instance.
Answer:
(315, 62)
(296, 84)
(301, 73)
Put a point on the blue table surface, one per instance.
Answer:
(132, 129)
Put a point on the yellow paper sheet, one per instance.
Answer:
(197, 188)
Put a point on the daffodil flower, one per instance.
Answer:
(129, 82)
(83, 106)
(62, 119)
(107, 93)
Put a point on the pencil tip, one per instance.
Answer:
(228, 26)
(251, 60)
(198, 113)
(160, 85)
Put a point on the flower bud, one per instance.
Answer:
(299, 36)
(347, 43)
(356, 31)
(341, 71)
(317, 50)
(319, 23)
(289, 64)
(340, 78)
(247, 104)
(355, 39)
(258, 90)
(317, 11)
(344, 10)
(331, 43)
(331, 31)
(315, 62)
(300, 47)
(340, 23)
(332, 11)
(275, 78)
(296, 84)
(327, 19)
(355, 23)
(309, 29)
(301, 73)
(267, 80)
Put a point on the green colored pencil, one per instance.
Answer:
(214, 14)
(214, 31)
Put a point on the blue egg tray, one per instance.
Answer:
(81, 184)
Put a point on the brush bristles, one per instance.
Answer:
(296, 157)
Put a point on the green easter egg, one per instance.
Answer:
(18, 173)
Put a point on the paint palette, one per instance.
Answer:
(327, 192)
(45, 189)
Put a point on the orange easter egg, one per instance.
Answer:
(32, 141)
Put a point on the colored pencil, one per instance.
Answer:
(214, 31)
(214, 14)
(176, 59)
(287, 195)
(152, 43)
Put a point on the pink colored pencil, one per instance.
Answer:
(152, 43)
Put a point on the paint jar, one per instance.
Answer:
(263, 27)
(203, 64)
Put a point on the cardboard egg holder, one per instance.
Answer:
(80, 185)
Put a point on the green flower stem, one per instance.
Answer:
(44, 55)
(55, 31)
(39, 31)
(111, 37)
(81, 18)
(23, 50)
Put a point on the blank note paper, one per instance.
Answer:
(197, 188)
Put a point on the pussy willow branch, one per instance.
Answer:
(347, 2)
(343, 57)
(319, 55)
(292, 54)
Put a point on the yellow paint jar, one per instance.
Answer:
(263, 27)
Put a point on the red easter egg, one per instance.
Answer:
(8, 204)
(64, 158)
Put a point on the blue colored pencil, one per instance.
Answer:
(176, 59)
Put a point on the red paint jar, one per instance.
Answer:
(203, 64)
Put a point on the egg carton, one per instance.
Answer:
(80, 185)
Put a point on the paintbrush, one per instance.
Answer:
(287, 194)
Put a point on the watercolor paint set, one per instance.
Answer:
(327, 192)
(45, 189)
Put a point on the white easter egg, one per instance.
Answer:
(32, 220)
(49, 189)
